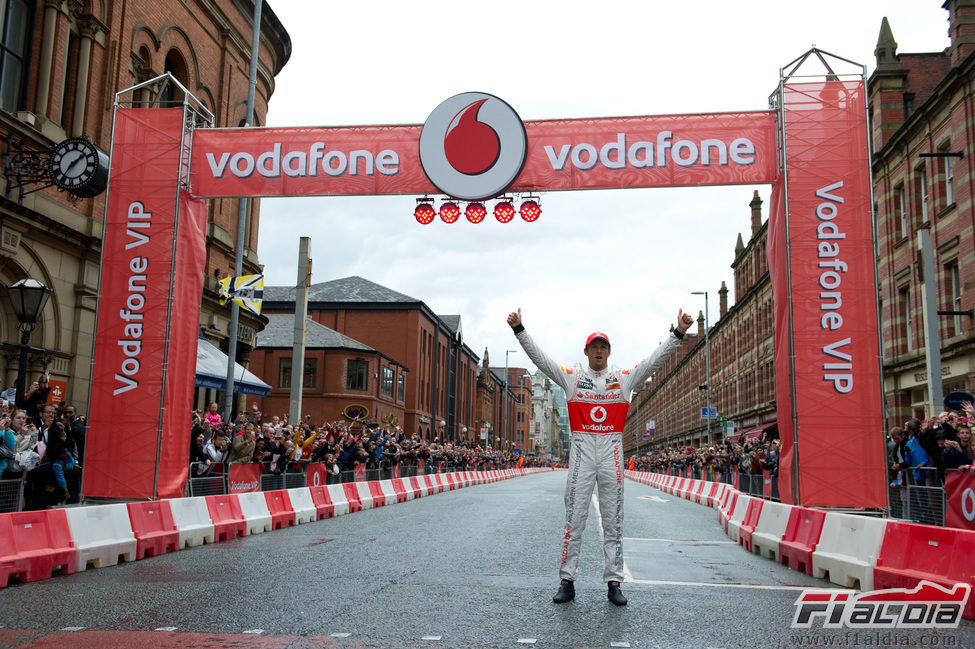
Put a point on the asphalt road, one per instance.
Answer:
(471, 568)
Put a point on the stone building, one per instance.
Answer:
(61, 64)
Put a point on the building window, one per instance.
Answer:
(15, 31)
(949, 178)
(401, 387)
(900, 210)
(357, 375)
(386, 386)
(921, 179)
(308, 380)
(954, 290)
(904, 308)
(311, 372)
(284, 373)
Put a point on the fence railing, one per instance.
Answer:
(213, 479)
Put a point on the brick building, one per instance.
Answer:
(920, 117)
(61, 64)
(742, 362)
(412, 347)
(343, 378)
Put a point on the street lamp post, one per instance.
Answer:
(504, 397)
(27, 297)
(707, 360)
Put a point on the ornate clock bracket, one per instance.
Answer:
(23, 167)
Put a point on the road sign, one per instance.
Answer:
(709, 413)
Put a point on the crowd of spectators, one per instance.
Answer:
(41, 444)
(749, 457)
(276, 443)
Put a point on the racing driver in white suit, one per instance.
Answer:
(598, 398)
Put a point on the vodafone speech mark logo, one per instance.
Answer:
(598, 414)
(473, 146)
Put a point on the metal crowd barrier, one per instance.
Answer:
(12, 494)
(918, 496)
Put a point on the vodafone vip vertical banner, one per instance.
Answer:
(149, 297)
(836, 449)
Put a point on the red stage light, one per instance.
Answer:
(475, 212)
(530, 210)
(504, 211)
(449, 212)
(424, 213)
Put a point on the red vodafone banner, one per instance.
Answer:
(145, 358)
(244, 478)
(316, 474)
(835, 450)
(960, 497)
(614, 152)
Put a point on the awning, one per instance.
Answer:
(748, 434)
(211, 372)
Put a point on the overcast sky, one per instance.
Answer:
(620, 261)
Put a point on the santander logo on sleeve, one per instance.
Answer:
(473, 146)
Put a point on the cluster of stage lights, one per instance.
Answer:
(475, 212)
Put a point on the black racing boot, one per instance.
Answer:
(567, 592)
(615, 595)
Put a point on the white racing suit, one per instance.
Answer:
(598, 402)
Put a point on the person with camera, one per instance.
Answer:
(7, 443)
(958, 452)
(35, 397)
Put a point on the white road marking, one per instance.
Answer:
(527, 640)
(72, 629)
(431, 637)
(340, 635)
(619, 644)
(171, 628)
(660, 582)
(255, 631)
(681, 541)
(656, 499)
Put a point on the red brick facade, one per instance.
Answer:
(921, 108)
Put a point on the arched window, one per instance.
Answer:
(176, 66)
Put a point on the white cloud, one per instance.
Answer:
(619, 261)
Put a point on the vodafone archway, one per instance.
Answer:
(811, 146)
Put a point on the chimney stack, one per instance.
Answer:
(723, 300)
(756, 206)
(961, 28)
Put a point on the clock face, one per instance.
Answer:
(75, 164)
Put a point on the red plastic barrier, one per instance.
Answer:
(352, 495)
(450, 482)
(153, 527)
(709, 498)
(439, 483)
(323, 502)
(431, 488)
(726, 511)
(400, 490)
(32, 544)
(912, 552)
(801, 537)
(282, 512)
(228, 520)
(750, 522)
(378, 497)
(418, 490)
(699, 491)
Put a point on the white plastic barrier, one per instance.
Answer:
(304, 506)
(192, 519)
(738, 516)
(389, 491)
(848, 549)
(715, 500)
(101, 534)
(365, 496)
(253, 506)
(771, 526)
(340, 502)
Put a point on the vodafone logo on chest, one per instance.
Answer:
(473, 146)
(598, 414)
